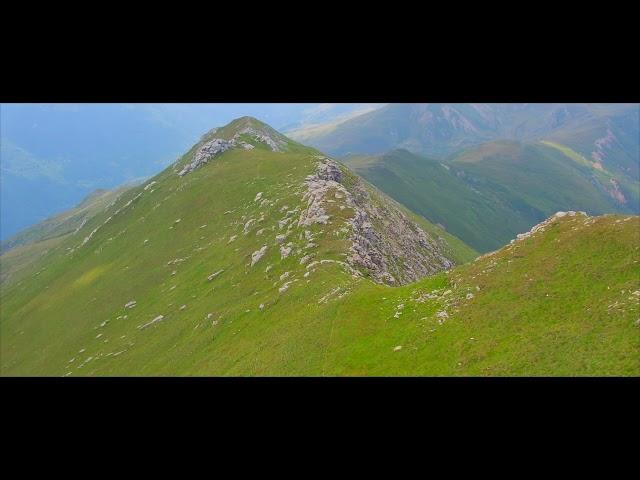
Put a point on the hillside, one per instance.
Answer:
(439, 193)
(65, 222)
(254, 255)
(226, 262)
(607, 133)
(489, 193)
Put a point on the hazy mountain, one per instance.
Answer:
(606, 133)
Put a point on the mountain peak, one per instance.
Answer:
(244, 132)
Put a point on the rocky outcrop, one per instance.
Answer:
(385, 244)
(542, 225)
(216, 146)
(276, 144)
(257, 255)
(205, 153)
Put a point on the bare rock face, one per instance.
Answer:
(385, 244)
(206, 152)
(257, 255)
(275, 144)
(216, 146)
(318, 185)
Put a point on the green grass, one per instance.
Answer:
(53, 307)
(488, 194)
(425, 186)
(63, 314)
(629, 187)
(66, 222)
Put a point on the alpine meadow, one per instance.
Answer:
(390, 240)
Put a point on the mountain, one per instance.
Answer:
(58, 226)
(489, 193)
(255, 255)
(443, 195)
(604, 132)
(53, 155)
(248, 226)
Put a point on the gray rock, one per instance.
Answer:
(205, 153)
(214, 275)
(257, 255)
(159, 318)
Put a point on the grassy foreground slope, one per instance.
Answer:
(188, 275)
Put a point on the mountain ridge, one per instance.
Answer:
(261, 262)
(608, 132)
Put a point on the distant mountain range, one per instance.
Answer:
(603, 133)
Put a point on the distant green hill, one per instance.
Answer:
(489, 193)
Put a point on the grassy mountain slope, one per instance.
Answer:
(560, 302)
(433, 190)
(232, 267)
(489, 193)
(65, 222)
(543, 176)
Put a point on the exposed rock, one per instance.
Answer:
(205, 153)
(257, 255)
(398, 348)
(540, 227)
(159, 318)
(247, 225)
(276, 144)
(214, 275)
(284, 251)
(280, 238)
(385, 243)
(283, 223)
(130, 304)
